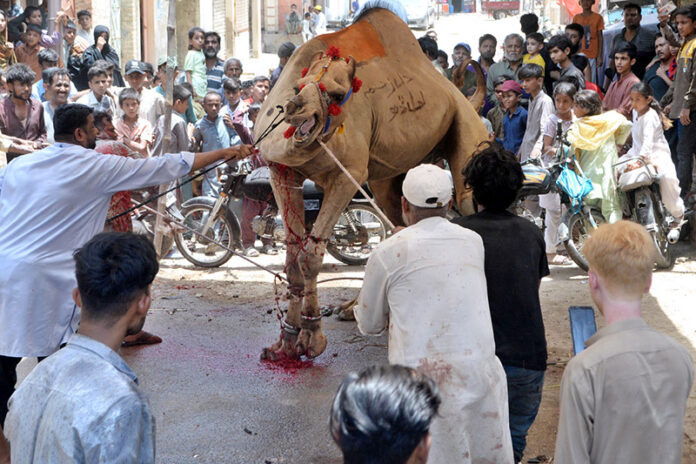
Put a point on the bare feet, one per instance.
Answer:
(141, 338)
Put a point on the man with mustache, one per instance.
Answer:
(57, 92)
(214, 66)
(21, 115)
(510, 65)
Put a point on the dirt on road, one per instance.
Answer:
(184, 289)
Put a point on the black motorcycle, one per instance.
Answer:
(640, 182)
(578, 221)
(358, 230)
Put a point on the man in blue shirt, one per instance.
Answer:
(515, 119)
(214, 69)
(211, 134)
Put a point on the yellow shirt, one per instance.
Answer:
(538, 59)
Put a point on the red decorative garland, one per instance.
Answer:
(322, 87)
(302, 86)
(357, 83)
(289, 132)
(305, 71)
(334, 109)
(333, 52)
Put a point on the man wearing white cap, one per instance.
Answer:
(427, 284)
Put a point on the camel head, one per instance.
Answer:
(317, 109)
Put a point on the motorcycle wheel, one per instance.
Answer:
(357, 232)
(665, 257)
(198, 250)
(579, 228)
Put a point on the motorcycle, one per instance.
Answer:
(358, 230)
(640, 182)
(579, 220)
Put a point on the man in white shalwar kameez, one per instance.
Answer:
(51, 203)
(427, 284)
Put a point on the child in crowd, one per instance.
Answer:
(194, 64)
(133, 131)
(680, 100)
(618, 95)
(539, 110)
(495, 115)
(28, 51)
(211, 134)
(535, 44)
(650, 144)
(515, 119)
(563, 95)
(559, 49)
(97, 97)
(594, 137)
(306, 24)
(575, 33)
(592, 43)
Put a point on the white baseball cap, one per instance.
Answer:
(427, 186)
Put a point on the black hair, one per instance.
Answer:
(538, 36)
(128, 94)
(99, 116)
(83, 13)
(565, 88)
(688, 11)
(530, 70)
(181, 93)
(232, 85)
(443, 54)
(258, 79)
(494, 175)
(501, 79)
(113, 269)
(213, 34)
(646, 91)
(95, 71)
(49, 74)
(68, 118)
(429, 47)
(307, 15)
(247, 84)
(380, 415)
(28, 11)
(34, 28)
(560, 41)
(589, 100)
(577, 28)
(212, 93)
(47, 55)
(632, 6)
(485, 37)
(192, 32)
(20, 72)
(529, 23)
(107, 65)
(627, 48)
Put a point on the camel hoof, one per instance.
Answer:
(311, 343)
(282, 349)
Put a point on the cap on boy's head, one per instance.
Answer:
(511, 86)
(33, 28)
(318, 8)
(286, 49)
(70, 25)
(427, 186)
(134, 66)
(463, 44)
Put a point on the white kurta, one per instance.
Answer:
(427, 283)
(51, 203)
(649, 142)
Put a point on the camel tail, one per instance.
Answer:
(394, 6)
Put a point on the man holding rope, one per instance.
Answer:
(51, 203)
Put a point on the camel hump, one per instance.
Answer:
(394, 6)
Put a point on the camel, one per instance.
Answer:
(373, 97)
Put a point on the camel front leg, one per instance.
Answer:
(287, 189)
(337, 195)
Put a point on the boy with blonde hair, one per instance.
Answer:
(630, 385)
